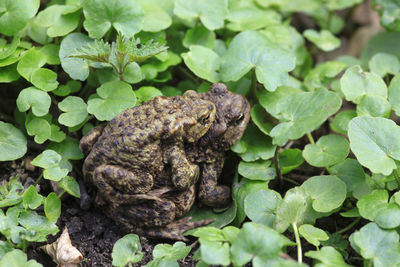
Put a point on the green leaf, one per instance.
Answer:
(50, 161)
(68, 149)
(290, 159)
(211, 13)
(14, 15)
(38, 127)
(258, 116)
(17, 258)
(323, 74)
(251, 18)
(256, 242)
(155, 17)
(312, 234)
(51, 52)
(356, 84)
(203, 62)
(40, 226)
(58, 19)
(133, 73)
(376, 143)
(327, 257)
(374, 106)
(125, 16)
(199, 36)
(394, 94)
(258, 170)
(75, 111)
(328, 192)
(9, 74)
(13, 143)
(260, 206)
(175, 252)
(324, 39)
(383, 64)
(10, 193)
(52, 207)
(302, 113)
(389, 13)
(31, 199)
(251, 50)
(70, 87)
(350, 172)
(380, 246)
(70, 185)
(30, 62)
(44, 79)
(383, 42)
(271, 100)
(340, 122)
(77, 69)
(127, 250)
(329, 150)
(9, 49)
(146, 93)
(214, 253)
(115, 97)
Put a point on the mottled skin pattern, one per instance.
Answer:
(126, 158)
(233, 115)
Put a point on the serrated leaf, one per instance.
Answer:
(251, 50)
(75, 111)
(13, 143)
(114, 97)
(203, 62)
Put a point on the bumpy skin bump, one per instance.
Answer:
(126, 159)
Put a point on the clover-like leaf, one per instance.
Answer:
(383, 64)
(211, 13)
(13, 143)
(125, 16)
(38, 226)
(270, 100)
(323, 74)
(327, 257)
(380, 246)
(251, 50)
(49, 160)
(58, 19)
(290, 159)
(302, 113)
(31, 199)
(349, 171)
(175, 252)
(52, 207)
(15, 14)
(31, 61)
(326, 191)
(374, 106)
(355, 84)
(114, 97)
(69, 150)
(220, 219)
(44, 79)
(38, 127)
(203, 62)
(7, 50)
(324, 39)
(75, 111)
(260, 206)
(340, 122)
(127, 250)
(312, 234)
(376, 143)
(258, 170)
(394, 93)
(249, 17)
(70, 87)
(77, 68)
(199, 36)
(329, 150)
(70, 185)
(258, 114)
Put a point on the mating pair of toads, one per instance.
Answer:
(148, 162)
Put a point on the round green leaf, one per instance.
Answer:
(31, 198)
(18, 53)
(328, 256)
(12, 142)
(9, 74)
(50, 161)
(155, 17)
(58, 19)
(258, 117)
(44, 79)
(133, 73)
(290, 159)
(69, 88)
(374, 106)
(324, 39)
(51, 52)
(349, 171)
(214, 253)
(127, 250)
(383, 64)
(69, 184)
(323, 74)
(115, 97)
(211, 13)
(8, 49)
(126, 16)
(376, 143)
(17, 258)
(30, 62)
(250, 49)
(355, 84)
(146, 93)
(165, 251)
(261, 206)
(394, 93)
(33, 98)
(77, 68)
(302, 113)
(258, 170)
(38, 127)
(15, 14)
(327, 192)
(329, 150)
(199, 36)
(271, 100)
(380, 246)
(75, 111)
(204, 62)
(52, 207)
(340, 122)
(251, 18)
(312, 234)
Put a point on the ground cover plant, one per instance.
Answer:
(315, 177)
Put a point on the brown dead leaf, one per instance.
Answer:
(63, 252)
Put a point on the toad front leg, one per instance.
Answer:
(184, 173)
(210, 193)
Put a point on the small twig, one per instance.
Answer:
(310, 139)
(297, 237)
(348, 227)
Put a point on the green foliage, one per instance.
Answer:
(127, 250)
(12, 142)
(167, 255)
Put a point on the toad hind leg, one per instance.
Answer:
(117, 184)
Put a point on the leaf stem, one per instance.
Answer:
(253, 86)
(396, 175)
(296, 235)
(310, 138)
(189, 75)
(277, 167)
(348, 227)
(38, 179)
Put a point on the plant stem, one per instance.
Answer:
(290, 181)
(396, 175)
(38, 179)
(348, 227)
(277, 167)
(296, 235)
(189, 75)
(253, 86)
(310, 139)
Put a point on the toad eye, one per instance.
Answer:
(238, 119)
(204, 119)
